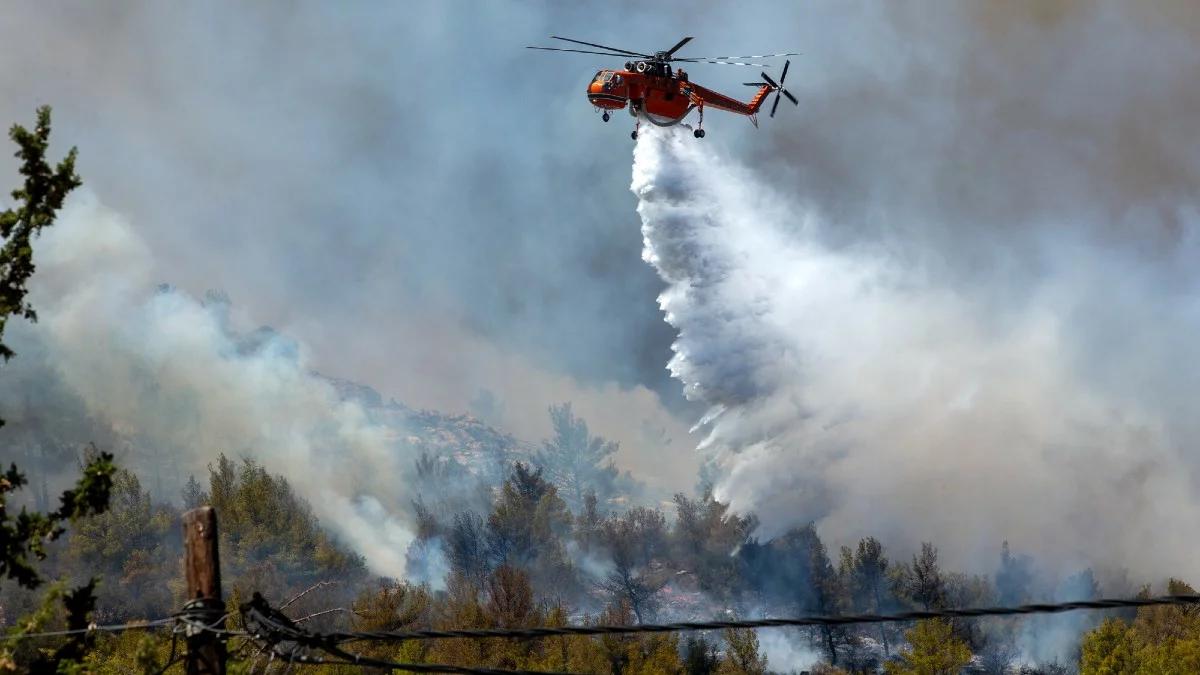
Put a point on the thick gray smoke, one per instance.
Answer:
(850, 386)
(167, 370)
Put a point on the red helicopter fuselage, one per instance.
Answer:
(665, 98)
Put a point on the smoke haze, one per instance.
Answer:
(952, 299)
(171, 372)
(850, 387)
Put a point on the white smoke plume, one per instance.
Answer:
(165, 368)
(857, 388)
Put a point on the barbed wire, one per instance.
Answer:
(211, 627)
(114, 628)
(287, 640)
(803, 621)
(349, 659)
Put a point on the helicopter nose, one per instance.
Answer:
(600, 98)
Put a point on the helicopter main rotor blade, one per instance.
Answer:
(722, 63)
(679, 44)
(611, 49)
(728, 58)
(578, 51)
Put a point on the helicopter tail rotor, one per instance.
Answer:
(777, 87)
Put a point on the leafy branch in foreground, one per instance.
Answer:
(37, 203)
(25, 535)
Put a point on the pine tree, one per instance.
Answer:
(527, 529)
(1014, 577)
(193, 495)
(933, 650)
(466, 548)
(575, 461)
(925, 585)
(742, 656)
(868, 576)
(823, 594)
(708, 540)
(700, 657)
(633, 541)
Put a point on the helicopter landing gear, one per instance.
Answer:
(605, 116)
(699, 132)
(633, 134)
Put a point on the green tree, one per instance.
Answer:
(1111, 649)
(655, 655)
(135, 545)
(823, 593)
(793, 572)
(1014, 577)
(866, 572)
(466, 548)
(573, 653)
(527, 529)
(634, 540)
(23, 536)
(575, 461)
(742, 656)
(38, 203)
(933, 650)
(193, 495)
(922, 583)
(1162, 640)
(700, 657)
(391, 606)
(270, 540)
(707, 538)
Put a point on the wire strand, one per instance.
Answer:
(117, 628)
(816, 620)
(273, 629)
(350, 659)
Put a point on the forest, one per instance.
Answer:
(522, 555)
(547, 535)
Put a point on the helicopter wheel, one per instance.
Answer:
(633, 134)
(699, 133)
(605, 116)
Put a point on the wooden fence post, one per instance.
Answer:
(205, 607)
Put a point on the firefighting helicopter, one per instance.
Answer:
(664, 96)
